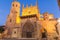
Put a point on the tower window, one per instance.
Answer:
(13, 5)
(15, 12)
(15, 32)
(10, 20)
(16, 5)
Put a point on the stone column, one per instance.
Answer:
(38, 31)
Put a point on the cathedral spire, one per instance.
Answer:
(22, 5)
(31, 5)
(27, 5)
(37, 3)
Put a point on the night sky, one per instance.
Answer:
(50, 6)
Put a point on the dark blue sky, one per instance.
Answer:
(50, 6)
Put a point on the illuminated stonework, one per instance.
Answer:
(31, 24)
(48, 24)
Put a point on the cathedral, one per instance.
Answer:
(31, 24)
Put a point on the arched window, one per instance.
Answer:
(13, 5)
(10, 20)
(16, 5)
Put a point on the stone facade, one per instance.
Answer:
(27, 27)
(30, 24)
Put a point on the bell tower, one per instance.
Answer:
(14, 16)
(13, 20)
(16, 10)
